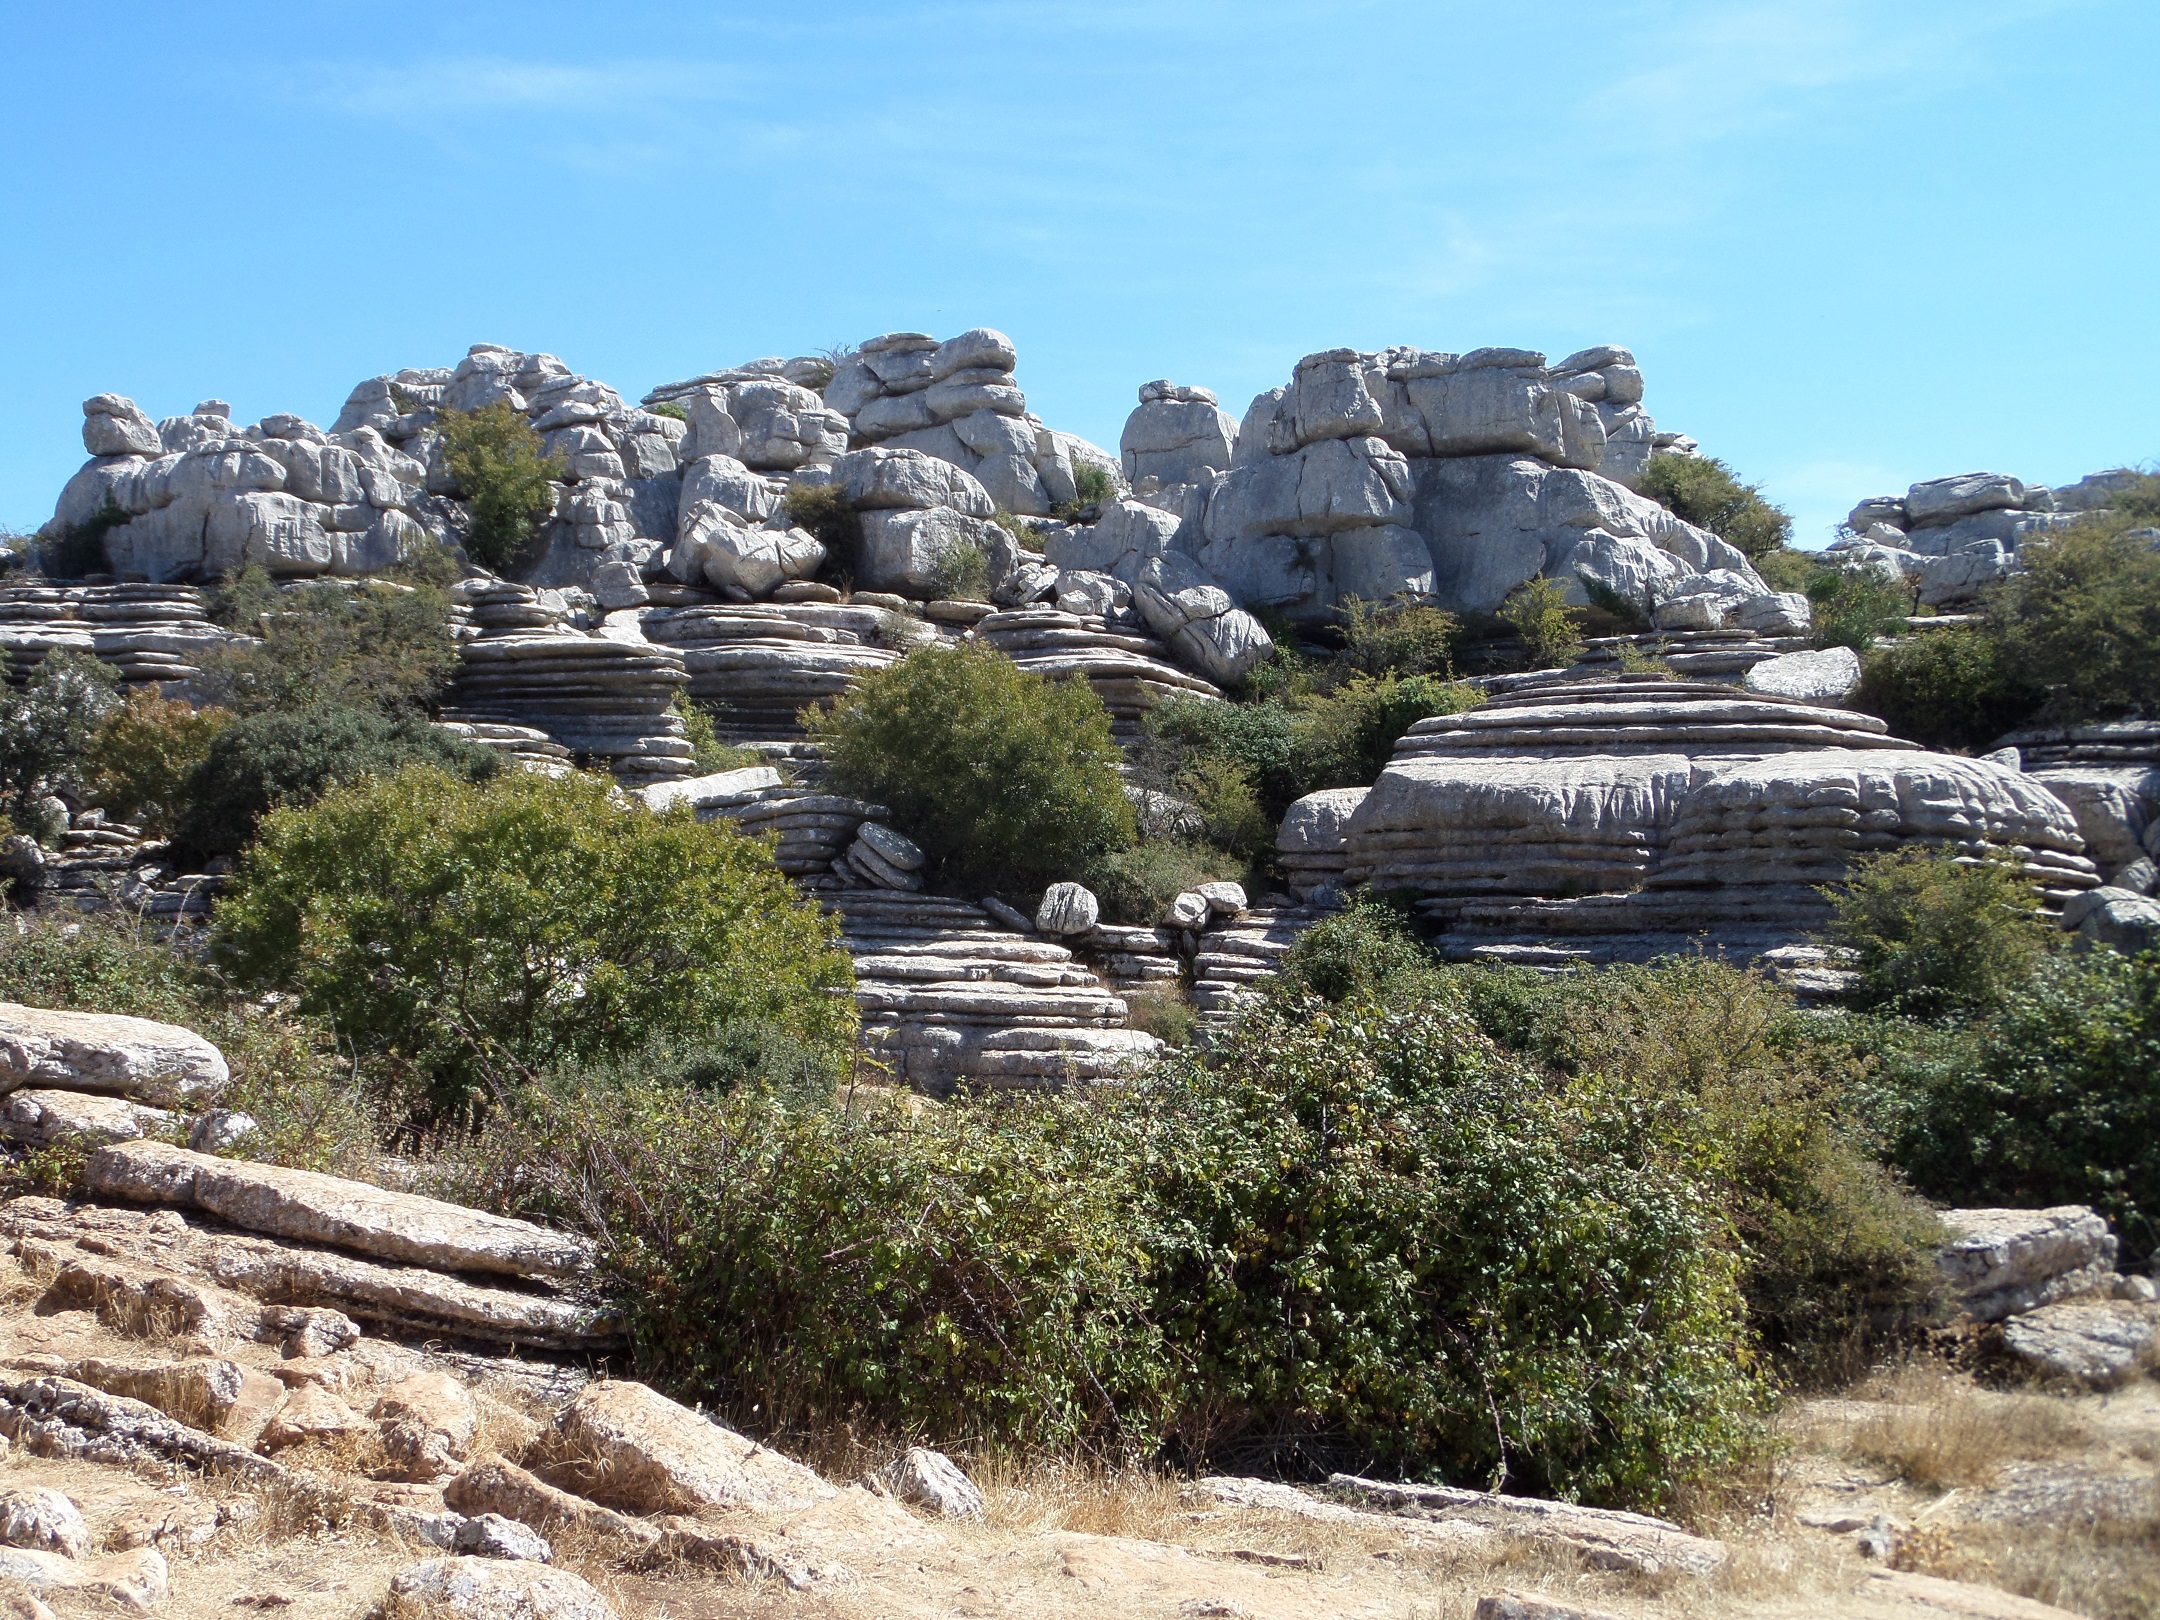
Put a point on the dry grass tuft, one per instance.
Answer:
(1941, 1432)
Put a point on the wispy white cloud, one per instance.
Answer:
(450, 89)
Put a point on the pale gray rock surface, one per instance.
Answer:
(497, 1589)
(490, 1535)
(1815, 677)
(106, 1053)
(1999, 1262)
(45, 1520)
(400, 1227)
(2098, 1344)
(39, 1118)
(1067, 908)
(629, 1447)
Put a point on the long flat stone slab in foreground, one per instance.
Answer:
(328, 1209)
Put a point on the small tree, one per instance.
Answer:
(1398, 637)
(2082, 619)
(1704, 491)
(47, 725)
(141, 759)
(1537, 611)
(1856, 606)
(1002, 777)
(505, 475)
(1947, 688)
(467, 932)
(1937, 934)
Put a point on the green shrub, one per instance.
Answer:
(78, 549)
(1787, 570)
(470, 933)
(1703, 491)
(831, 518)
(2051, 1097)
(1936, 934)
(47, 726)
(1853, 606)
(504, 474)
(1259, 739)
(139, 763)
(1092, 483)
(1751, 1103)
(383, 644)
(1005, 779)
(1948, 688)
(264, 761)
(1537, 611)
(1398, 637)
(1377, 1242)
(2082, 619)
(1024, 532)
(1366, 949)
(1346, 738)
(313, 1111)
(1162, 1010)
(1137, 884)
(1230, 814)
(960, 571)
(968, 1276)
(668, 407)
(708, 752)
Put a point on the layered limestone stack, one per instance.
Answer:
(1129, 670)
(1955, 535)
(757, 665)
(2109, 775)
(148, 633)
(1449, 477)
(946, 995)
(101, 1077)
(602, 698)
(1631, 814)
(526, 747)
(1240, 955)
(1179, 435)
(811, 830)
(1312, 844)
(958, 401)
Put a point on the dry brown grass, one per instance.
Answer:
(2104, 1566)
(1938, 1430)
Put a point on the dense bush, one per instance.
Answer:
(1259, 739)
(1377, 1241)
(2082, 619)
(2051, 1097)
(1936, 934)
(1360, 1238)
(383, 644)
(139, 764)
(1749, 1101)
(1004, 778)
(79, 548)
(1347, 737)
(1948, 688)
(1703, 490)
(505, 475)
(287, 1071)
(266, 760)
(707, 751)
(1854, 606)
(1366, 949)
(1136, 884)
(1537, 611)
(466, 933)
(47, 725)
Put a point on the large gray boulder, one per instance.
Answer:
(1177, 435)
(2095, 1343)
(107, 1054)
(629, 1447)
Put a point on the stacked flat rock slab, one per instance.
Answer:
(100, 1077)
(1630, 815)
(602, 698)
(811, 830)
(527, 747)
(1237, 956)
(948, 996)
(147, 633)
(2109, 775)
(757, 665)
(1130, 670)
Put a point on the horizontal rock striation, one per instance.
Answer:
(1128, 668)
(1634, 814)
(757, 665)
(148, 633)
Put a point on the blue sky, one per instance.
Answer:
(1852, 244)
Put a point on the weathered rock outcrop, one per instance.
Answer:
(1957, 535)
(1632, 813)
(2000, 1262)
(147, 633)
(109, 1055)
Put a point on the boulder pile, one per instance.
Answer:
(1960, 534)
(2048, 1277)
(1621, 818)
(1452, 477)
(957, 400)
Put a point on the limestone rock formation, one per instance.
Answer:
(107, 1054)
(630, 1447)
(1178, 435)
(1955, 535)
(1999, 1262)
(147, 633)
(2109, 775)
(1621, 817)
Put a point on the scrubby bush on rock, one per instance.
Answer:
(465, 933)
(275, 758)
(46, 728)
(1003, 778)
(505, 475)
(2081, 619)
(1136, 884)
(1703, 490)
(382, 644)
(1366, 949)
(1398, 637)
(826, 511)
(1749, 1099)
(2052, 1096)
(1936, 934)
(1853, 607)
(139, 763)
(1347, 737)
(1537, 611)
(1951, 688)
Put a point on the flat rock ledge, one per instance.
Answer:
(108, 1055)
